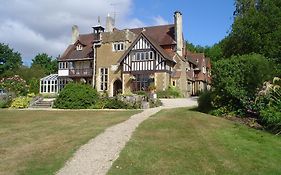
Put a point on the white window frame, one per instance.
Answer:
(104, 75)
(79, 47)
(144, 56)
(118, 46)
(63, 65)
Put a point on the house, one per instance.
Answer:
(126, 61)
(199, 72)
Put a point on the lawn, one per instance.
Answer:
(180, 141)
(39, 142)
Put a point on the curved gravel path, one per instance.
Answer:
(97, 156)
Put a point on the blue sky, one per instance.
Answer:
(205, 21)
(31, 26)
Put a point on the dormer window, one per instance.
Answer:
(79, 47)
(118, 46)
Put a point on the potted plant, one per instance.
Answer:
(152, 89)
(132, 78)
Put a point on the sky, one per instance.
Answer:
(44, 26)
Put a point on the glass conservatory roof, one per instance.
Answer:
(50, 77)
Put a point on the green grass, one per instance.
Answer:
(39, 142)
(180, 141)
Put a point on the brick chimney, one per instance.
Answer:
(75, 34)
(178, 32)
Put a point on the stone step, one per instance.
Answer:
(42, 104)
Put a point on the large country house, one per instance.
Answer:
(129, 60)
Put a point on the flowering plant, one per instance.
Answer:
(14, 84)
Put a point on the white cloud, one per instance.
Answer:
(133, 23)
(36, 26)
(28, 42)
(159, 20)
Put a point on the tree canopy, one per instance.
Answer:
(256, 29)
(46, 62)
(9, 60)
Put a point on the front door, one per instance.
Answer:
(117, 87)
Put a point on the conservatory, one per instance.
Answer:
(49, 84)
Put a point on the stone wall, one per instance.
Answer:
(108, 59)
(162, 81)
(126, 83)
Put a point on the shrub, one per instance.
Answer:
(4, 103)
(14, 84)
(154, 103)
(271, 119)
(268, 104)
(141, 93)
(205, 102)
(20, 102)
(76, 96)
(34, 85)
(235, 81)
(171, 92)
(112, 103)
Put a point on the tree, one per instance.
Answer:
(195, 49)
(214, 52)
(27, 73)
(46, 62)
(9, 60)
(235, 80)
(256, 29)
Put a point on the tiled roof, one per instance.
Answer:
(189, 75)
(154, 44)
(87, 39)
(200, 61)
(72, 54)
(157, 35)
(66, 53)
(163, 35)
(86, 52)
(118, 35)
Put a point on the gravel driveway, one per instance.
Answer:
(97, 156)
(179, 102)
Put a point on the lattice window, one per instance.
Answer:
(103, 78)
